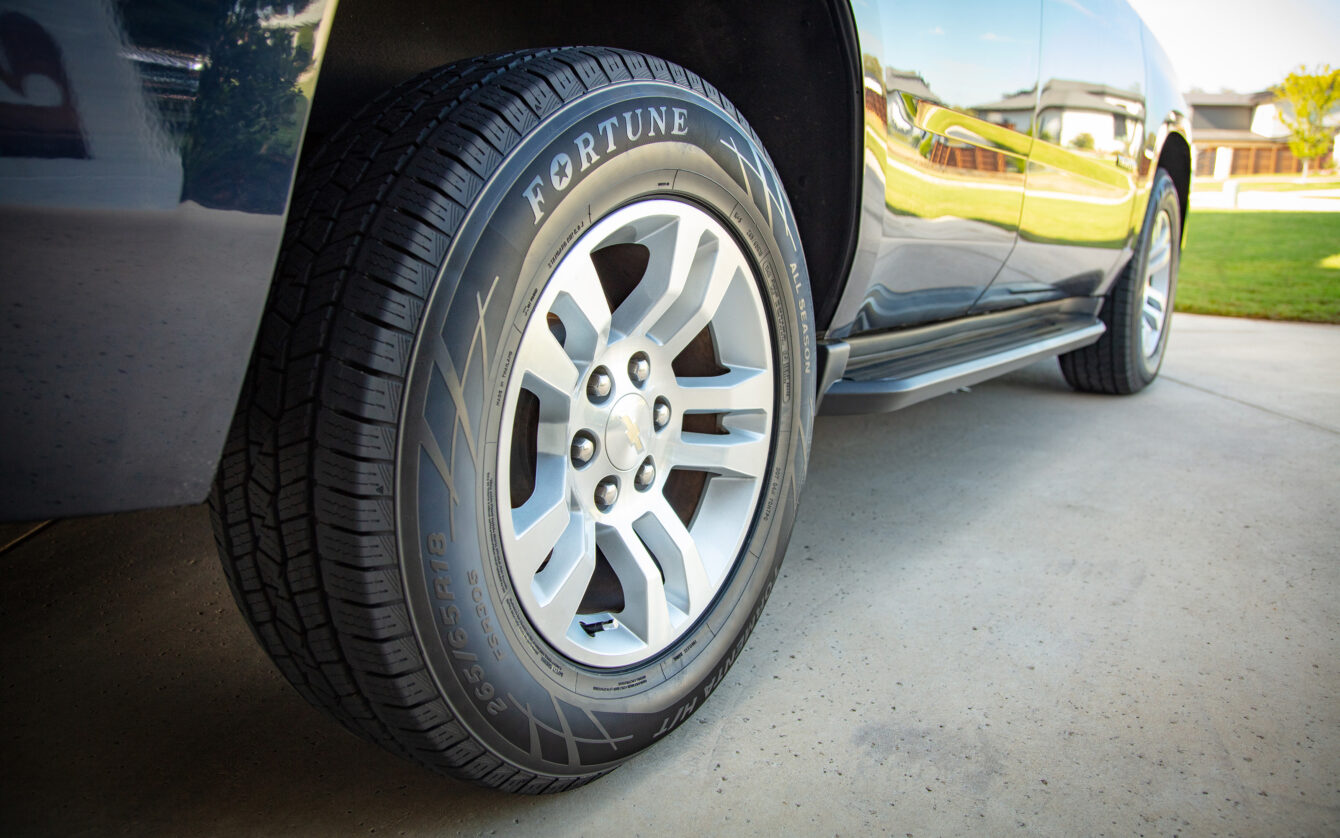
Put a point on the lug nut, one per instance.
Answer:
(639, 367)
(607, 492)
(599, 385)
(660, 414)
(646, 475)
(583, 449)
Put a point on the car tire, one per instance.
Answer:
(521, 444)
(1138, 309)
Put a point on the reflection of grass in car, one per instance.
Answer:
(1097, 217)
(907, 194)
(1271, 265)
(944, 195)
(916, 188)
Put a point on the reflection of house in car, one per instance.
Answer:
(1241, 134)
(900, 83)
(1074, 114)
(908, 81)
(1014, 111)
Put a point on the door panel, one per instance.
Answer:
(943, 180)
(1076, 227)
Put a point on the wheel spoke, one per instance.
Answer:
(582, 307)
(539, 526)
(686, 582)
(740, 453)
(743, 388)
(716, 265)
(1161, 247)
(673, 249)
(645, 612)
(1155, 299)
(1158, 260)
(541, 360)
(1154, 310)
(564, 582)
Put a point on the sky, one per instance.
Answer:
(1243, 45)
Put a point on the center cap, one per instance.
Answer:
(628, 432)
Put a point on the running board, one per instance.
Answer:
(879, 382)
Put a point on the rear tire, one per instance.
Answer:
(462, 259)
(1138, 310)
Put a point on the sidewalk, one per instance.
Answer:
(1319, 200)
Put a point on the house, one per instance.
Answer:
(1241, 134)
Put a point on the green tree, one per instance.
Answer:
(1312, 96)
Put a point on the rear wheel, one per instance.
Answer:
(521, 446)
(1138, 309)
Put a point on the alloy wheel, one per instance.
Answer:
(637, 428)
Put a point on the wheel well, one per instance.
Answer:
(791, 68)
(1176, 159)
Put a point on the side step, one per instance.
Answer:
(889, 371)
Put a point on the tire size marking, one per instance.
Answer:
(481, 610)
(449, 615)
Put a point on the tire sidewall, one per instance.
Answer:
(509, 688)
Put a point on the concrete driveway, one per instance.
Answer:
(1015, 609)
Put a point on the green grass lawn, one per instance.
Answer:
(1271, 265)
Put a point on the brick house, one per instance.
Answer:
(1241, 134)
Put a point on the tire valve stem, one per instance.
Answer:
(600, 625)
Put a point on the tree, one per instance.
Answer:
(1312, 96)
(242, 138)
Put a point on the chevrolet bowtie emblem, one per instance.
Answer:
(630, 428)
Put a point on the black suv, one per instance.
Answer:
(500, 380)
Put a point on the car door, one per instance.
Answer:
(1078, 217)
(943, 180)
